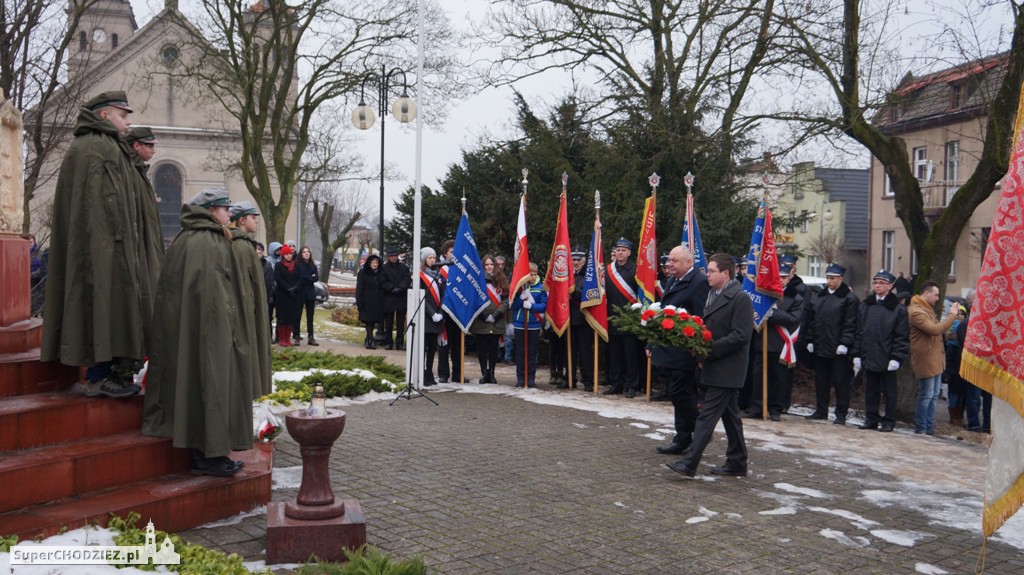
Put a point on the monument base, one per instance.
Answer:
(296, 540)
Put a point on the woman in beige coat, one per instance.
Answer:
(927, 355)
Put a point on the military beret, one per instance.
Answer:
(242, 209)
(623, 243)
(141, 134)
(884, 276)
(211, 198)
(113, 99)
(835, 270)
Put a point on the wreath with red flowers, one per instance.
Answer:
(665, 327)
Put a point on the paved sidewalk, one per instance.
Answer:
(493, 482)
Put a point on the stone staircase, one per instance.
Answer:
(67, 460)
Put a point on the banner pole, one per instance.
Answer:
(568, 356)
(595, 362)
(764, 370)
(648, 379)
(462, 359)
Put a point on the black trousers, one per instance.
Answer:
(526, 357)
(583, 354)
(487, 352)
(780, 384)
(309, 306)
(879, 385)
(828, 373)
(450, 363)
(429, 349)
(623, 361)
(681, 387)
(394, 322)
(720, 403)
(557, 353)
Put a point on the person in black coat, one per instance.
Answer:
(686, 287)
(729, 315)
(830, 328)
(308, 276)
(582, 335)
(286, 295)
(432, 285)
(623, 347)
(268, 281)
(783, 333)
(882, 345)
(370, 298)
(396, 279)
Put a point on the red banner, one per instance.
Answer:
(559, 279)
(768, 281)
(521, 268)
(647, 256)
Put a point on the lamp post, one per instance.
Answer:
(404, 110)
(826, 216)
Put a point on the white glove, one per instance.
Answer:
(525, 296)
(489, 318)
(893, 365)
(841, 350)
(437, 318)
(527, 305)
(810, 348)
(856, 363)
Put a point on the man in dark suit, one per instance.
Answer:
(686, 288)
(623, 347)
(729, 315)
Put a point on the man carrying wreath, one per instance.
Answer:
(685, 288)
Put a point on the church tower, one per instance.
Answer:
(104, 25)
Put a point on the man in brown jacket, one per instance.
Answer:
(927, 356)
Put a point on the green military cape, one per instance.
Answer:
(254, 349)
(151, 233)
(195, 392)
(97, 296)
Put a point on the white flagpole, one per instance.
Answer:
(414, 351)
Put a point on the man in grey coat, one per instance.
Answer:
(729, 315)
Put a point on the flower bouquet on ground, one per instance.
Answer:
(665, 327)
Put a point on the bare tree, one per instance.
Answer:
(827, 44)
(271, 66)
(336, 212)
(34, 40)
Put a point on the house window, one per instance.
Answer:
(915, 266)
(921, 164)
(952, 169)
(888, 249)
(83, 40)
(814, 266)
(113, 40)
(887, 189)
(803, 221)
(956, 95)
(167, 183)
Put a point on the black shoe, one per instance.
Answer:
(868, 425)
(729, 470)
(751, 415)
(313, 342)
(612, 391)
(389, 347)
(681, 468)
(887, 427)
(774, 416)
(661, 396)
(839, 421)
(816, 415)
(630, 393)
(561, 385)
(442, 380)
(672, 448)
(401, 347)
(215, 466)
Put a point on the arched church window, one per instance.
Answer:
(167, 183)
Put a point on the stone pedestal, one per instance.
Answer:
(296, 540)
(15, 276)
(315, 523)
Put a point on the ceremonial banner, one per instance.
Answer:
(593, 302)
(521, 268)
(993, 356)
(559, 278)
(691, 236)
(761, 278)
(465, 296)
(647, 256)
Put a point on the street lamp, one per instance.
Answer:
(404, 110)
(827, 216)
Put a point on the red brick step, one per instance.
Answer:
(57, 417)
(22, 373)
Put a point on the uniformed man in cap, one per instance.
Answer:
(196, 391)
(881, 346)
(396, 279)
(99, 292)
(623, 348)
(141, 148)
(252, 302)
(582, 334)
(830, 328)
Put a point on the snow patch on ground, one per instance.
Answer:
(903, 538)
(286, 478)
(779, 511)
(235, 519)
(843, 538)
(929, 569)
(789, 487)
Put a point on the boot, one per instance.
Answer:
(366, 343)
(284, 336)
(312, 341)
(956, 416)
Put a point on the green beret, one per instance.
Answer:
(211, 198)
(242, 209)
(141, 134)
(114, 99)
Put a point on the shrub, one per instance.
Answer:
(346, 315)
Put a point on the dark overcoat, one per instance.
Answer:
(432, 284)
(614, 295)
(254, 347)
(830, 320)
(730, 317)
(151, 233)
(689, 292)
(369, 294)
(788, 313)
(480, 325)
(195, 390)
(883, 333)
(286, 293)
(396, 279)
(98, 296)
(308, 276)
